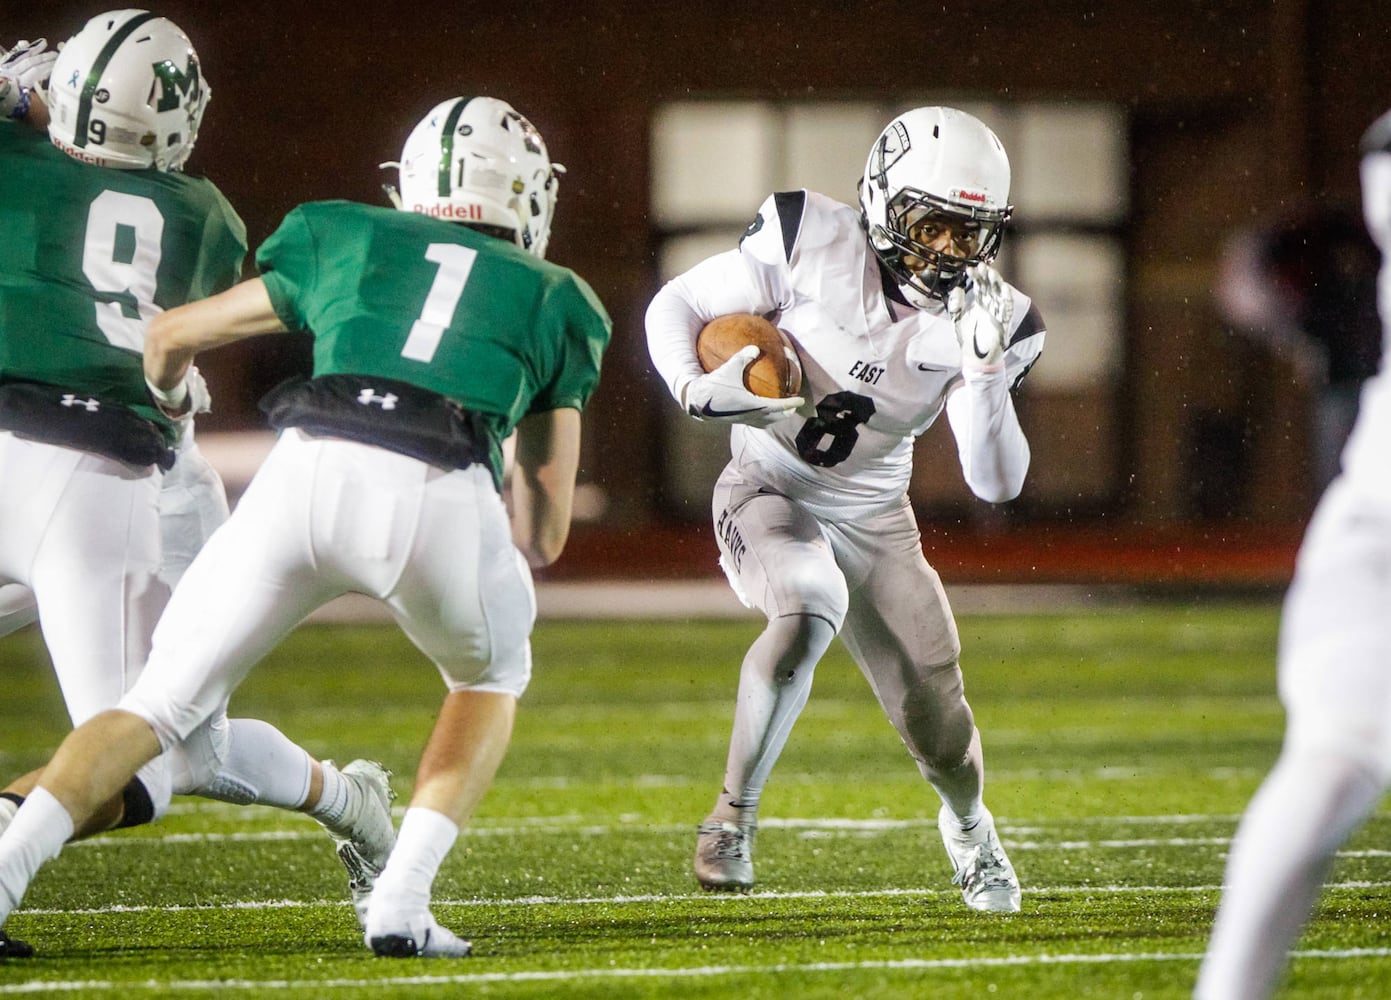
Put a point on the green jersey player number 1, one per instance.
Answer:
(439, 316)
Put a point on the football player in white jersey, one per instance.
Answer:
(897, 316)
(1334, 681)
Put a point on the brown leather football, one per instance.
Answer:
(777, 371)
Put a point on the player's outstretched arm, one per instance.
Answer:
(175, 336)
(543, 483)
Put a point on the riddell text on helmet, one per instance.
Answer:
(79, 154)
(471, 212)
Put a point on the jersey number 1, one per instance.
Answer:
(455, 262)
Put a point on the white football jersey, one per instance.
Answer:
(876, 371)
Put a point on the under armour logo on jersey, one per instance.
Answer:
(90, 405)
(369, 396)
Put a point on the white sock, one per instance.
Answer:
(403, 888)
(334, 800)
(37, 834)
(265, 761)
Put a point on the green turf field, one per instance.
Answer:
(1121, 744)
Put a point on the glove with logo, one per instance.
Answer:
(980, 328)
(23, 69)
(721, 395)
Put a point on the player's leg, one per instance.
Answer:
(250, 586)
(900, 631)
(95, 577)
(1336, 759)
(466, 746)
(247, 761)
(250, 762)
(464, 597)
(93, 570)
(778, 561)
(192, 504)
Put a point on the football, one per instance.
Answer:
(777, 371)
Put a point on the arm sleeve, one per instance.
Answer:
(990, 443)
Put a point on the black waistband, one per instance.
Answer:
(55, 416)
(394, 415)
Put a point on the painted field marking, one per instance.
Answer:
(709, 971)
(718, 899)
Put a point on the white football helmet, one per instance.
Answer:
(934, 162)
(128, 92)
(476, 160)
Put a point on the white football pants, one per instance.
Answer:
(869, 579)
(324, 517)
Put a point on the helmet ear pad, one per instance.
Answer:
(127, 91)
(938, 160)
(477, 161)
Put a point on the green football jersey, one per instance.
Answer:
(432, 303)
(91, 255)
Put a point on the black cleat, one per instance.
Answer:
(421, 937)
(10, 948)
(394, 946)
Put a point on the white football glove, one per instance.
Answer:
(980, 328)
(721, 395)
(23, 69)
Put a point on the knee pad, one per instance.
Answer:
(195, 762)
(225, 788)
(810, 590)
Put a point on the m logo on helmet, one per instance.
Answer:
(176, 84)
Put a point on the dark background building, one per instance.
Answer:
(1198, 442)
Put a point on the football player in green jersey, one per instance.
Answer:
(433, 341)
(104, 497)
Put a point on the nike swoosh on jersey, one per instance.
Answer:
(933, 368)
(706, 411)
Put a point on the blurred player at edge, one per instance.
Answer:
(433, 340)
(103, 497)
(897, 316)
(1334, 682)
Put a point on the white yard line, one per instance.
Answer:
(698, 972)
(720, 899)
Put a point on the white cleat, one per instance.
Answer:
(724, 856)
(418, 937)
(983, 871)
(365, 836)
